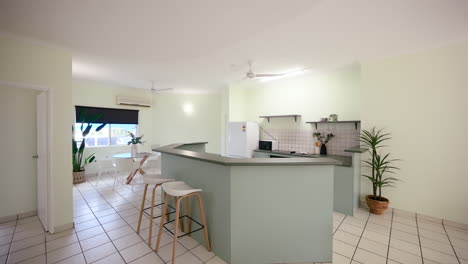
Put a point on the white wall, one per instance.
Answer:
(163, 123)
(19, 178)
(25, 62)
(422, 100)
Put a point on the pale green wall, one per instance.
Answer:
(19, 178)
(89, 93)
(25, 62)
(313, 95)
(422, 100)
(172, 125)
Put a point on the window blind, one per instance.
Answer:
(108, 115)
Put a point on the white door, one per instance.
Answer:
(42, 159)
(237, 139)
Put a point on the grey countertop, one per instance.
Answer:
(344, 160)
(356, 149)
(228, 161)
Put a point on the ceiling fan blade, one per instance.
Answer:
(162, 90)
(260, 75)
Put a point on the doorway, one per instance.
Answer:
(26, 162)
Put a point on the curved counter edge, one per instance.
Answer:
(174, 149)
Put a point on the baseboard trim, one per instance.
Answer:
(9, 218)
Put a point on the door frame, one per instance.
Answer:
(50, 146)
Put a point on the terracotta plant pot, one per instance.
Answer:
(79, 177)
(377, 207)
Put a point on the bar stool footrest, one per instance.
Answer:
(170, 209)
(185, 234)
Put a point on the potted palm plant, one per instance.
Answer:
(380, 166)
(80, 161)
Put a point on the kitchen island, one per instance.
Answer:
(259, 210)
(347, 175)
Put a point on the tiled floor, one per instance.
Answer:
(106, 220)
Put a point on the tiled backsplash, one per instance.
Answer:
(302, 140)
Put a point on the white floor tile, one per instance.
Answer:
(405, 246)
(26, 253)
(188, 242)
(99, 252)
(4, 249)
(166, 252)
(88, 233)
(63, 253)
(373, 247)
(202, 253)
(339, 259)
(136, 251)
(150, 258)
(436, 245)
(343, 248)
(187, 258)
(93, 242)
(6, 239)
(346, 237)
(216, 260)
(28, 242)
(127, 241)
(76, 259)
(41, 259)
(364, 256)
(112, 259)
(61, 242)
(120, 232)
(403, 257)
(438, 256)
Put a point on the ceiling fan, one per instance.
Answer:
(154, 90)
(251, 75)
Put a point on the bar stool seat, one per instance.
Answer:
(156, 180)
(178, 188)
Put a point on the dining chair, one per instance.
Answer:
(106, 165)
(126, 166)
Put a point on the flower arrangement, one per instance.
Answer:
(322, 138)
(135, 140)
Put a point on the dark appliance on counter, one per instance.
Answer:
(268, 145)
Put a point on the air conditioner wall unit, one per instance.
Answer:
(133, 101)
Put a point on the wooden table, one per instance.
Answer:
(141, 155)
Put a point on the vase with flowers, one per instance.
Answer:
(134, 141)
(322, 140)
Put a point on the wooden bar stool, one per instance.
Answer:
(153, 179)
(181, 190)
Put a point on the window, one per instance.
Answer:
(110, 135)
(115, 133)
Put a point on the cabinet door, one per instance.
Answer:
(261, 155)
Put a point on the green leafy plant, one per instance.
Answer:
(380, 165)
(135, 140)
(78, 159)
(322, 137)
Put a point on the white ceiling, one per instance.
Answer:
(192, 45)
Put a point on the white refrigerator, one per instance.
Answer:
(242, 139)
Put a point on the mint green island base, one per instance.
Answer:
(259, 210)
